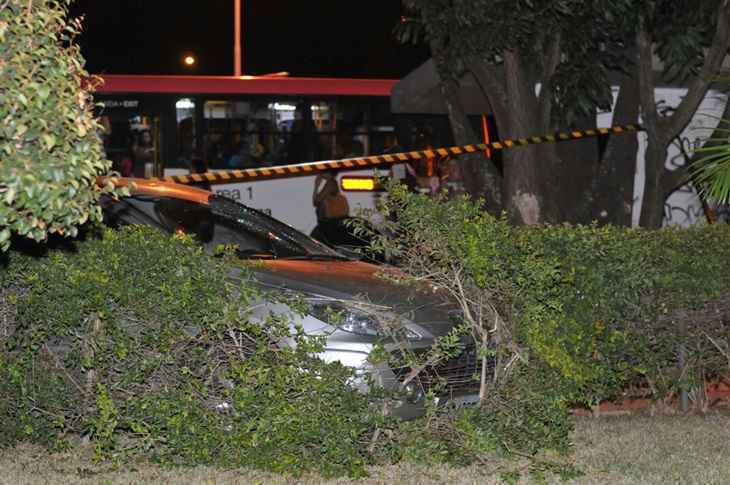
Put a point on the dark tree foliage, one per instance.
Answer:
(574, 50)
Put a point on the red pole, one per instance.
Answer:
(485, 135)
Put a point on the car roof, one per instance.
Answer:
(156, 188)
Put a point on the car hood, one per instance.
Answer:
(357, 280)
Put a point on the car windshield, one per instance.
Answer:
(223, 222)
(285, 241)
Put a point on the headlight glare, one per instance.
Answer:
(359, 324)
(354, 318)
(348, 319)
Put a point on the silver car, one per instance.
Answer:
(349, 301)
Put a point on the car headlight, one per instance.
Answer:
(359, 319)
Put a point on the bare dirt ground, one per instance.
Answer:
(615, 450)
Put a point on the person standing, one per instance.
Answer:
(327, 199)
(332, 209)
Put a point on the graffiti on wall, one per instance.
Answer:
(683, 207)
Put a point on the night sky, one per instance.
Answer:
(334, 38)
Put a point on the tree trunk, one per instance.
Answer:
(652, 207)
(662, 130)
(532, 185)
(524, 188)
(479, 176)
(612, 190)
(578, 167)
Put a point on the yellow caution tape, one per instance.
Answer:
(310, 168)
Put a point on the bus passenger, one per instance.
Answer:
(126, 164)
(144, 153)
(241, 157)
(215, 150)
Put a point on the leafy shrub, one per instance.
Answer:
(49, 142)
(565, 314)
(637, 297)
(144, 344)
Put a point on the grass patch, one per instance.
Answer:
(678, 449)
(619, 450)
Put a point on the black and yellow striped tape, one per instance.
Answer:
(228, 176)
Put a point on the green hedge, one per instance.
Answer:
(633, 297)
(133, 338)
(579, 312)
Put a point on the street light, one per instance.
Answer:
(189, 60)
(237, 44)
(237, 54)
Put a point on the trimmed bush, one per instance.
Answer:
(143, 344)
(566, 315)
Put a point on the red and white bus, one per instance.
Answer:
(171, 125)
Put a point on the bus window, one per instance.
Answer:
(245, 134)
(218, 118)
(185, 119)
(134, 146)
(350, 127)
(265, 131)
(342, 128)
(132, 135)
(145, 147)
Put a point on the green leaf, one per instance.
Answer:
(44, 91)
(49, 140)
(9, 195)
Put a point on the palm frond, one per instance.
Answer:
(711, 173)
